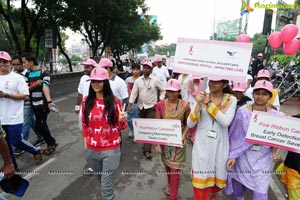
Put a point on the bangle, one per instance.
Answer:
(49, 102)
(6, 95)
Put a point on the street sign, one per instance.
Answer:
(48, 38)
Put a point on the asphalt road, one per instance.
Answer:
(61, 175)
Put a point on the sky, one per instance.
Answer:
(191, 18)
(195, 18)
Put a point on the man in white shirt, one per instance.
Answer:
(275, 64)
(13, 92)
(84, 86)
(161, 72)
(146, 89)
(118, 85)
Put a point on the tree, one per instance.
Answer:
(113, 24)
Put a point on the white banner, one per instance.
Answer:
(213, 59)
(272, 130)
(158, 131)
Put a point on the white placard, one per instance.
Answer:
(158, 131)
(213, 59)
(272, 130)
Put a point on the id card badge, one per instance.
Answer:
(255, 147)
(212, 134)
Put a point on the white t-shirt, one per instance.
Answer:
(162, 74)
(83, 89)
(182, 84)
(11, 111)
(275, 65)
(118, 87)
(84, 86)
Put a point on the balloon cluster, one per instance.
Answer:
(287, 37)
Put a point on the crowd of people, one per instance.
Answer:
(214, 116)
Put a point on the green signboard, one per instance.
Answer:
(227, 29)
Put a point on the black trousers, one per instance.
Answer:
(41, 126)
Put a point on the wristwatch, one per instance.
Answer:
(6, 95)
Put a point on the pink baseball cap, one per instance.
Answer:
(263, 73)
(158, 59)
(89, 62)
(105, 62)
(148, 63)
(5, 56)
(260, 54)
(196, 76)
(99, 74)
(239, 87)
(263, 84)
(215, 78)
(173, 85)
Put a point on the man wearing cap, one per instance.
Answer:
(160, 71)
(256, 66)
(13, 92)
(84, 85)
(146, 88)
(117, 84)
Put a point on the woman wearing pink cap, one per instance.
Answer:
(238, 90)
(173, 157)
(247, 162)
(102, 120)
(212, 114)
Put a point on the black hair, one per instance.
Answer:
(135, 66)
(17, 57)
(109, 102)
(30, 57)
(227, 88)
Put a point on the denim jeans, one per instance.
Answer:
(104, 164)
(14, 137)
(131, 115)
(29, 121)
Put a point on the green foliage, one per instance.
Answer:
(162, 50)
(283, 59)
(259, 41)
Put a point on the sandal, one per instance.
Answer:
(147, 155)
(167, 191)
(37, 158)
(50, 149)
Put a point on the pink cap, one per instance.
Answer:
(215, 78)
(89, 62)
(239, 87)
(105, 62)
(263, 84)
(5, 56)
(148, 63)
(158, 59)
(173, 85)
(196, 76)
(99, 74)
(260, 54)
(263, 73)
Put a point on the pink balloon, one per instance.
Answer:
(291, 47)
(289, 32)
(243, 38)
(275, 40)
